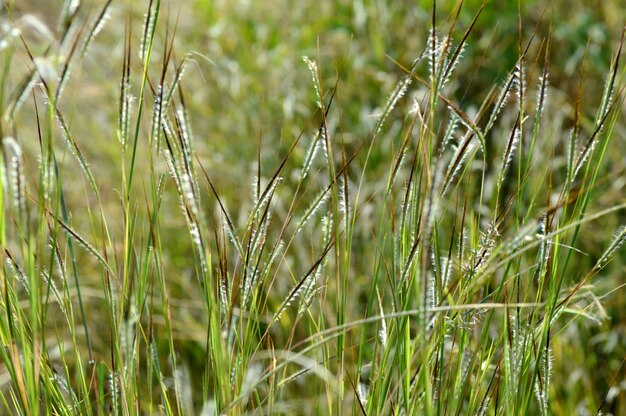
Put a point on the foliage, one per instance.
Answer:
(423, 214)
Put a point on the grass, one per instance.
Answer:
(421, 246)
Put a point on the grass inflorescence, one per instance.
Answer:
(445, 257)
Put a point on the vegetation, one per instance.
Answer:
(341, 208)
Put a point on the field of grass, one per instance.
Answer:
(348, 207)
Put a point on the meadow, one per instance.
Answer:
(349, 207)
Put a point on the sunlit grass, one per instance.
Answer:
(448, 256)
